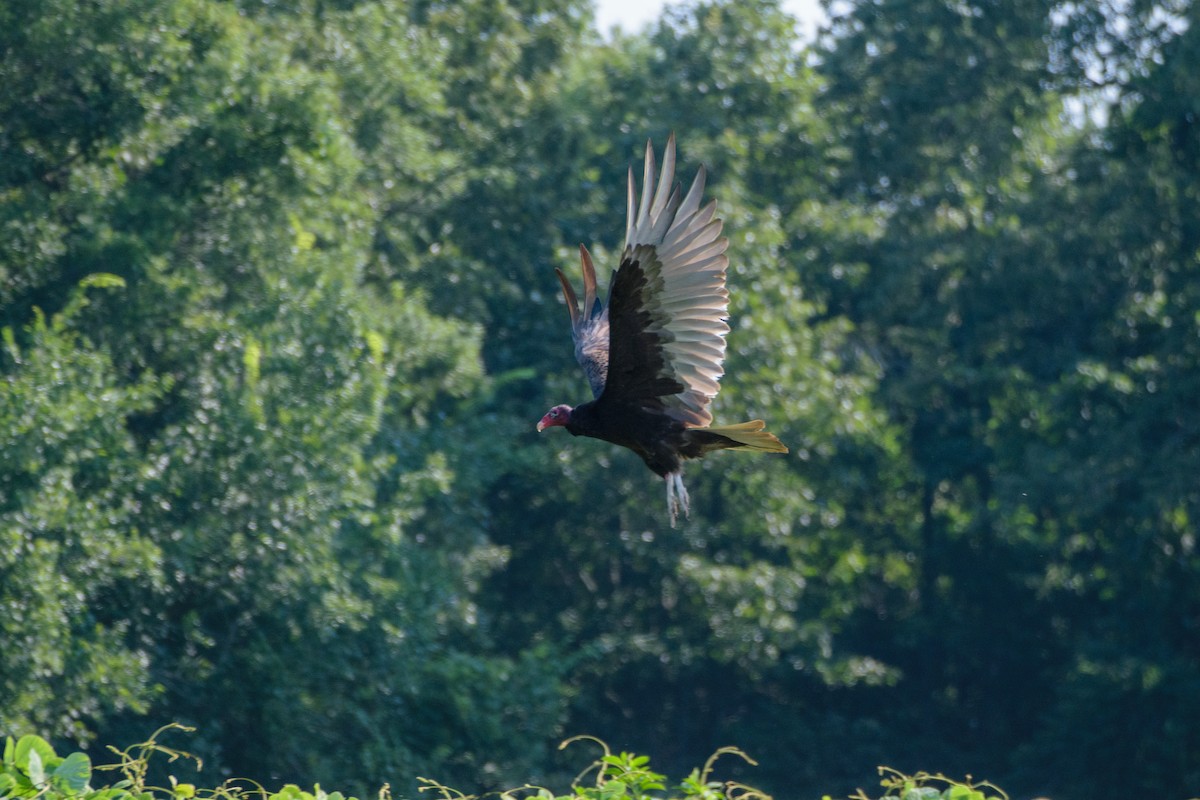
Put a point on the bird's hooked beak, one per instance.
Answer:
(555, 416)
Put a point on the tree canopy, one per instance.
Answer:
(279, 315)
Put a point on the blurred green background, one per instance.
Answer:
(279, 315)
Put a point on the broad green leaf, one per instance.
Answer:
(613, 788)
(73, 773)
(34, 768)
(29, 745)
(291, 792)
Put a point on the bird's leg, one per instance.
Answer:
(670, 499)
(682, 493)
(677, 496)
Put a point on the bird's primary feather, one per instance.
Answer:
(589, 327)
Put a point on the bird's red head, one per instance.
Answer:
(559, 415)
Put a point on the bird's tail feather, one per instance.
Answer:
(750, 435)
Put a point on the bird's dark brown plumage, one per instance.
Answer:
(653, 354)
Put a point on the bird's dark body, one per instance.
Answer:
(661, 441)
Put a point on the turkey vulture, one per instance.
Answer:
(653, 353)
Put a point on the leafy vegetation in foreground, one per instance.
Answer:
(32, 769)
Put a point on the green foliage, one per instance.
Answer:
(32, 769)
(278, 312)
(67, 464)
(293, 792)
(924, 786)
(626, 776)
(225, 474)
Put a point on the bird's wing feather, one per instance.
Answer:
(668, 305)
(589, 326)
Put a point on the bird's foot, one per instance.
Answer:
(677, 496)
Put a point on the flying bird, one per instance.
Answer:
(653, 353)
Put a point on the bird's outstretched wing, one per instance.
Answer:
(589, 328)
(668, 305)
